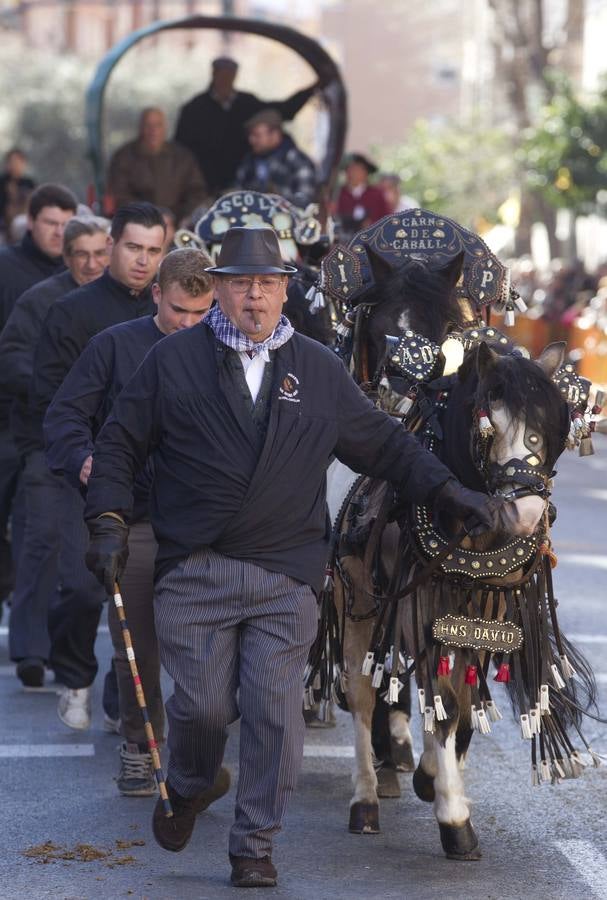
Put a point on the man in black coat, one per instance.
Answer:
(122, 293)
(183, 294)
(211, 125)
(36, 257)
(86, 254)
(241, 417)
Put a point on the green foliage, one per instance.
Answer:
(465, 171)
(565, 154)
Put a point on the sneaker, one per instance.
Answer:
(111, 726)
(30, 672)
(249, 872)
(136, 777)
(74, 707)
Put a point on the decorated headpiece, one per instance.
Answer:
(248, 209)
(422, 235)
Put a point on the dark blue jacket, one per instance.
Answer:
(17, 347)
(85, 399)
(212, 487)
(69, 326)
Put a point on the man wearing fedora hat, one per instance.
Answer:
(241, 417)
(359, 203)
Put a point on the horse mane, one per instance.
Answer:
(426, 293)
(525, 390)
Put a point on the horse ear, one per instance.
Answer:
(452, 270)
(380, 268)
(552, 357)
(486, 358)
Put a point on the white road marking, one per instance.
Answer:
(328, 751)
(589, 863)
(103, 629)
(592, 560)
(37, 751)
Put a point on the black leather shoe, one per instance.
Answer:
(250, 872)
(220, 787)
(174, 832)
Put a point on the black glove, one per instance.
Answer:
(479, 512)
(108, 550)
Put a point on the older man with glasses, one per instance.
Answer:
(241, 417)
(85, 251)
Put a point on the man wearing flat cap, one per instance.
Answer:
(211, 124)
(275, 164)
(241, 417)
(359, 204)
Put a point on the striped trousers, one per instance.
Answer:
(235, 639)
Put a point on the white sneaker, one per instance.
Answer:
(74, 707)
(111, 726)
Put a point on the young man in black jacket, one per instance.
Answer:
(85, 252)
(183, 294)
(122, 293)
(36, 257)
(241, 417)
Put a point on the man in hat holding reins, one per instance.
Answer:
(241, 417)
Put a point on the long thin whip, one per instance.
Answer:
(149, 731)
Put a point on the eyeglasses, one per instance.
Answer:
(85, 256)
(268, 284)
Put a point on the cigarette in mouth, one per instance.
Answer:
(257, 323)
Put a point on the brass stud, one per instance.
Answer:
(503, 561)
(520, 551)
(434, 544)
(461, 560)
(489, 564)
(476, 564)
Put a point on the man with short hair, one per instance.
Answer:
(212, 124)
(241, 417)
(122, 293)
(275, 164)
(183, 294)
(85, 252)
(156, 169)
(36, 257)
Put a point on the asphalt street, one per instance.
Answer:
(57, 786)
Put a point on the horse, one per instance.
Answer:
(397, 574)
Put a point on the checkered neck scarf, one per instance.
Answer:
(230, 335)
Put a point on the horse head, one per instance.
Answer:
(518, 424)
(412, 296)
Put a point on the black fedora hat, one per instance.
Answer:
(253, 251)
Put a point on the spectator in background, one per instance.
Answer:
(154, 169)
(212, 124)
(275, 164)
(15, 188)
(359, 203)
(390, 186)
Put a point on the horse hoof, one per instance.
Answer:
(460, 841)
(364, 818)
(423, 785)
(387, 783)
(402, 756)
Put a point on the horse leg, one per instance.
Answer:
(425, 773)
(450, 805)
(401, 744)
(364, 806)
